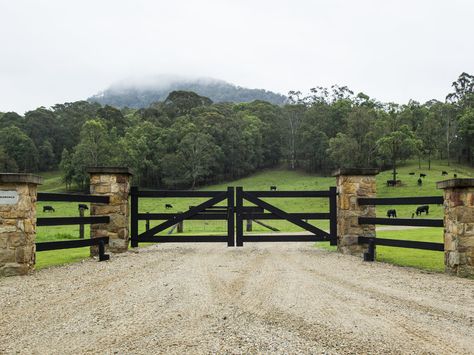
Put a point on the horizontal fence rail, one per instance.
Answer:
(293, 215)
(62, 221)
(289, 193)
(59, 197)
(77, 243)
(198, 217)
(185, 239)
(428, 200)
(402, 243)
(402, 222)
(175, 193)
(284, 238)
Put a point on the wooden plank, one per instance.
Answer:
(403, 243)
(184, 239)
(284, 238)
(295, 194)
(178, 193)
(427, 200)
(60, 197)
(68, 244)
(295, 215)
(402, 222)
(63, 221)
(197, 217)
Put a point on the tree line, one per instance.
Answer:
(187, 140)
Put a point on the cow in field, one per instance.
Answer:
(455, 175)
(444, 173)
(421, 209)
(391, 182)
(168, 206)
(412, 173)
(48, 209)
(273, 188)
(82, 206)
(420, 182)
(422, 175)
(392, 213)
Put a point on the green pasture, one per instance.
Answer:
(284, 180)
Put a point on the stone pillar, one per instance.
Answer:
(17, 223)
(458, 226)
(352, 184)
(115, 183)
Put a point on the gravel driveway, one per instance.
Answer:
(262, 298)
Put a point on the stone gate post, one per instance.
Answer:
(458, 226)
(17, 223)
(352, 184)
(115, 183)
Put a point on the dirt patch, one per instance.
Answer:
(262, 298)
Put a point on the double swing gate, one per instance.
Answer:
(235, 211)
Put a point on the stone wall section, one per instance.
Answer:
(117, 187)
(458, 226)
(352, 184)
(18, 228)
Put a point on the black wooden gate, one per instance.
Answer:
(208, 211)
(315, 234)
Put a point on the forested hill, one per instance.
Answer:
(142, 94)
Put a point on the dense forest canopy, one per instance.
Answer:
(186, 139)
(142, 94)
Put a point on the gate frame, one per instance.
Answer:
(171, 219)
(295, 218)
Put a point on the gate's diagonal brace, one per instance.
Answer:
(182, 216)
(283, 215)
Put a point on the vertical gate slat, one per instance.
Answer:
(239, 221)
(134, 216)
(333, 215)
(230, 217)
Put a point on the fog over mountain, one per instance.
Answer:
(141, 92)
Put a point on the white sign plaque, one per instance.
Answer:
(8, 197)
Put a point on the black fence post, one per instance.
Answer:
(239, 222)
(134, 216)
(102, 255)
(147, 223)
(333, 215)
(230, 217)
(370, 254)
(81, 226)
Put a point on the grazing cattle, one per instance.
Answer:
(412, 215)
(444, 173)
(455, 175)
(412, 173)
(48, 209)
(82, 206)
(392, 213)
(273, 188)
(422, 175)
(168, 206)
(391, 182)
(421, 209)
(420, 182)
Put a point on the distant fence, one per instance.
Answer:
(62, 221)
(372, 242)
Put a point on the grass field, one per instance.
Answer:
(285, 180)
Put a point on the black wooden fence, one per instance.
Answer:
(61, 221)
(372, 242)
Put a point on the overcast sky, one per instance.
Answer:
(54, 51)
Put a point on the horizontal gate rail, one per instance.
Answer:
(283, 238)
(77, 243)
(403, 243)
(294, 215)
(428, 200)
(289, 193)
(185, 239)
(176, 193)
(214, 216)
(402, 222)
(59, 197)
(62, 221)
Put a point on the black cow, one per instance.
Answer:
(48, 209)
(422, 175)
(391, 182)
(444, 173)
(392, 213)
(168, 206)
(412, 173)
(82, 206)
(455, 175)
(421, 209)
(273, 188)
(420, 182)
